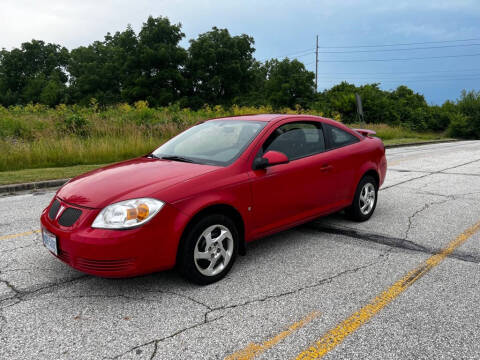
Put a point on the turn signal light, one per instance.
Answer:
(139, 213)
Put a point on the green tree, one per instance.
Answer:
(466, 123)
(410, 107)
(124, 53)
(256, 95)
(377, 107)
(26, 71)
(94, 74)
(219, 68)
(288, 83)
(439, 117)
(130, 67)
(53, 92)
(160, 80)
(401, 106)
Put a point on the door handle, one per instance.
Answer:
(326, 168)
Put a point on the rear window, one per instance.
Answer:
(338, 137)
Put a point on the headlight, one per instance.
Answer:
(127, 214)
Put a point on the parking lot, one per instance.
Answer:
(405, 284)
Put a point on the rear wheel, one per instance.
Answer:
(209, 249)
(365, 200)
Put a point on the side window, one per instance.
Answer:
(296, 140)
(339, 137)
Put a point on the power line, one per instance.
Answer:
(288, 55)
(295, 57)
(298, 52)
(290, 58)
(416, 74)
(409, 80)
(400, 59)
(436, 76)
(400, 72)
(398, 44)
(309, 51)
(434, 80)
(408, 49)
(453, 76)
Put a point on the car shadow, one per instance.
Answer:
(258, 252)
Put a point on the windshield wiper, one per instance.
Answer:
(153, 156)
(177, 158)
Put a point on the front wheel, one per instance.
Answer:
(365, 200)
(209, 249)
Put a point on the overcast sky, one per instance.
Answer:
(284, 27)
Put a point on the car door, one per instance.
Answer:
(345, 158)
(287, 193)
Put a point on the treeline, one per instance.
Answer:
(402, 106)
(216, 69)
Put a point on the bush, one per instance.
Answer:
(15, 129)
(461, 127)
(469, 106)
(74, 124)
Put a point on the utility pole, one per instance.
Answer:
(316, 67)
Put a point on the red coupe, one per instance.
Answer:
(199, 198)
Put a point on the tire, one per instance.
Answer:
(364, 201)
(204, 258)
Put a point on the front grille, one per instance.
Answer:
(69, 216)
(104, 265)
(54, 209)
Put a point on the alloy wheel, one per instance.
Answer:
(367, 198)
(213, 250)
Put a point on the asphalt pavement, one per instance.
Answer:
(403, 285)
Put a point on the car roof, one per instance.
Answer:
(253, 117)
(270, 117)
(292, 117)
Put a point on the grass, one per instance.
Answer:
(391, 134)
(404, 141)
(31, 175)
(35, 136)
(56, 141)
(68, 151)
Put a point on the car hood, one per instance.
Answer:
(142, 177)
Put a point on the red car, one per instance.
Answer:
(199, 198)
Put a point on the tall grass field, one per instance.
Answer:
(36, 136)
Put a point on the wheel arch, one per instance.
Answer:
(373, 173)
(368, 168)
(223, 209)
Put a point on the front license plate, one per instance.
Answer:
(50, 241)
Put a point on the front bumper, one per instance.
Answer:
(117, 253)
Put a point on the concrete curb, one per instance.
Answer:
(420, 143)
(14, 188)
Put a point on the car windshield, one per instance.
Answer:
(216, 142)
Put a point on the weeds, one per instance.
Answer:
(35, 136)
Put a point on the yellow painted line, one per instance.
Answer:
(252, 349)
(407, 158)
(403, 159)
(395, 162)
(5, 237)
(335, 336)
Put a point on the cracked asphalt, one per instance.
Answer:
(330, 266)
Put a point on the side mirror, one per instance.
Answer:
(270, 158)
